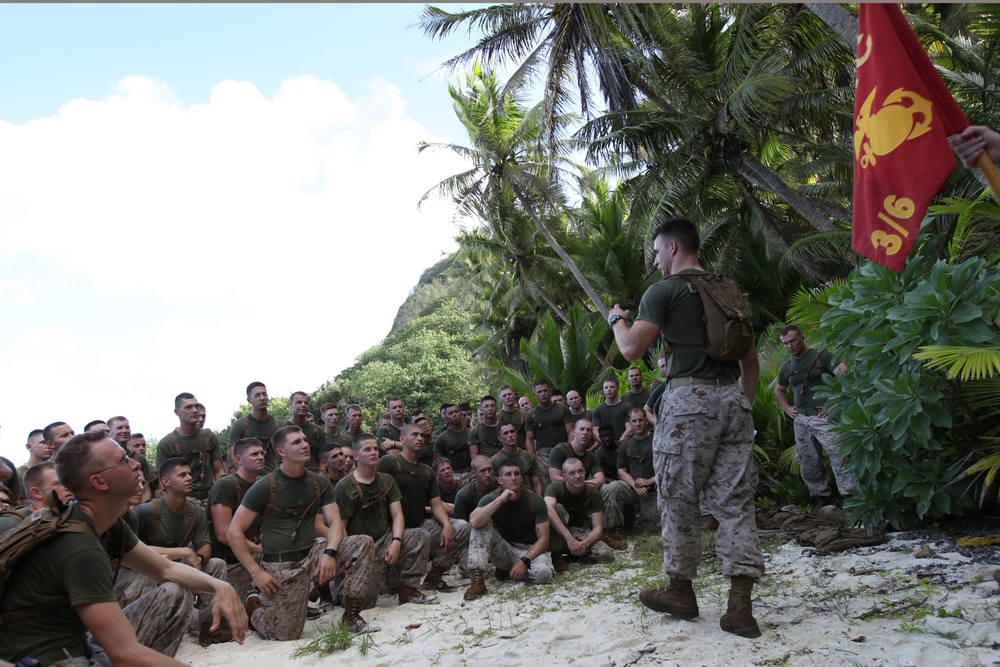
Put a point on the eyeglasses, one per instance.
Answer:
(124, 461)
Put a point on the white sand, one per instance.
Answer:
(809, 608)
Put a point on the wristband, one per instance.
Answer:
(332, 553)
(526, 561)
(397, 539)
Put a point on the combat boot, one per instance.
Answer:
(253, 603)
(435, 581)
(352, 618)
(408, 594)
(677, 599)
(477, 588)
(738, 618)
(615, 538)
(221, 635)
(559, 562)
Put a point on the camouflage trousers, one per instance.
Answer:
(812, 437)
(159, 618)
(620, 500)
(487, 546)
(283, 616)
(703, 451)
(217, 569)
(361, 564)
(440, 558)
(542, 455)
(130, 586)
(239, 578)
(358, 572)
(598, 552)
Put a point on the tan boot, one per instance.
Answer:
(677, 599)
(477, 588)
(615, 538)
(559, 562)
(253, 603)
(408, 594)
(738, 618)
(352, 618)
(206, 637)
(435, 581)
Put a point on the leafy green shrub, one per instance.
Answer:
(905, 433)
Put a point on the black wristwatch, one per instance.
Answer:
(526, 561)
(332, 553)
(614, 319)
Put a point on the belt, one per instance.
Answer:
(687, 380)
(78, 650)
(290, 557)
(811, 412)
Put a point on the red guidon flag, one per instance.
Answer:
(903, 116)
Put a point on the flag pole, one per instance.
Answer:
(989, 172)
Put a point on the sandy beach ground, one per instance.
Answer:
(867, 606)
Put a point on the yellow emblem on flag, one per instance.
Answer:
(884, 131)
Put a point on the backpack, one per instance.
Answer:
(299, 513)
(727, 321)
(18, 542)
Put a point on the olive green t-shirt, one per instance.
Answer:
(250, 427)
(388, 432)
(515, 520)
(70, 565)
(608, 460)
(636, 400)
(672, 306)
(635, 456)
(229, 492)
(804, 375)
(548, 425)
(526, 461)
(417, 486)
(11, 519)
(455, 446)
(368, 515)
(565, 450)
(616, 415)
(343, 438)
(579, 506)
(200, 450)
(466, 500)
(297, 496)
(485, 437)
(173, 526)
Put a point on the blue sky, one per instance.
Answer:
(196, 196)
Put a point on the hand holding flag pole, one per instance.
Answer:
(979, 146)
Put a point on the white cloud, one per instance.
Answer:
(254, 237)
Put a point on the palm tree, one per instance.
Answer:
(507, 169)
(637, 46)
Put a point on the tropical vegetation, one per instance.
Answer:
(616, 117)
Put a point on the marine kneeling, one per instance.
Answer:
(576, 517)
(287, 500)
(510, 528)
